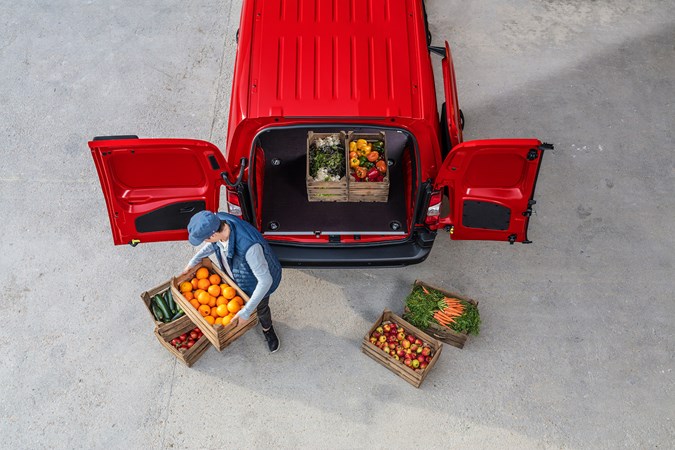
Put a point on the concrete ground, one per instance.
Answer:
(577, 344)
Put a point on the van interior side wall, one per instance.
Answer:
(286, 209)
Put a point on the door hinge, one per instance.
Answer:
(512, 238)
(528, 212)
(532, 154)
(134, 242)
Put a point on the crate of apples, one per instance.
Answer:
(402, 345)
(402, 348)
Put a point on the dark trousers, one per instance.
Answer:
(264, 313)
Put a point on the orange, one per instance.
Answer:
(221, 301)
(219, 320)
(195, 303)
(210, 320)
(214, 279)
(214, 290)
(223, 286)
(229, 293)
(204, 310)
(202, 273)
(194, 283)
(204, 297)
(222, 310)
(188, 295)
(212, 301)
(197, 292)
(214, 312)
(239, 300)
(185, 286)
(203, 284)
(233, 306)
(227, 319)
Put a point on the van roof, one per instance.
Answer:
(331, 58)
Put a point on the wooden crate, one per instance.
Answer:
(411, 376)
(368, 191)
(326, 191)
(147, 298)
(450, 337)
(182, 325)
(219, 335)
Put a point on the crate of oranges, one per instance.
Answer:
(211, 299)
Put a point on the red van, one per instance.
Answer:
(328, 66)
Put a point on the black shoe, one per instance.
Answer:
(272, 339)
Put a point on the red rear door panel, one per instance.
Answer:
(153, 187)
(451, 101)
(490, 184)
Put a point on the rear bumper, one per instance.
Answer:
(413, 251)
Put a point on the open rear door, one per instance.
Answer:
(452, 113)
(490, 187)
(152, 187)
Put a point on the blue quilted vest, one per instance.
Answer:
(242, 236)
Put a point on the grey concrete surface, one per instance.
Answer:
(576, 349)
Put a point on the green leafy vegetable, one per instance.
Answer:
(422, 306)
(327, 154)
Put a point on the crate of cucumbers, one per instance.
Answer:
(444, 315)
(162, 307)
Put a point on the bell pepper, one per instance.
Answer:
(353, 155)
(352, 146)
(360, 144)
(361, 172)
(373, 174)
(381, 166)
(373, 156)
(354, 162)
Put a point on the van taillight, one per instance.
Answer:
(434, 209)
(233, 206)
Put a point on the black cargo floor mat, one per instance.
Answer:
(285, 194)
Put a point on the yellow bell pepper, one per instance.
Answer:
(352, 146)
(354, 162)
(361, 143)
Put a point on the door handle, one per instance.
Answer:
(186, 209)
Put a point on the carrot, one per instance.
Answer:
(425, 290)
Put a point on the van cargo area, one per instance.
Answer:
(286, 210)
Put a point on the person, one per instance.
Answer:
(242, 253)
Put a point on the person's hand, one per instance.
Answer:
(235, 320)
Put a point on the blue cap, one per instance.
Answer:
(202, 226)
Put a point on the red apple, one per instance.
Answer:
(423, 365)
(414, 347)
(387, 328)
(405, 343)
(391, 338)
(426, 351)
(422, 358)
(407, 362)
(411, 338)
(376, 334)
(400, 352)
(400, 336)
(418, 341)
(373, 340)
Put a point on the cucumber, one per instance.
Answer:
(157, 312)
(170, 302)
(162, 306)
(178, 315)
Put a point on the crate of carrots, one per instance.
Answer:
(447, 316)
(211, 299)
